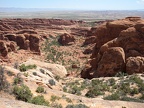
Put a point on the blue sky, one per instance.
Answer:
(76, 4)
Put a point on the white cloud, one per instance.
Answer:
(140, 1)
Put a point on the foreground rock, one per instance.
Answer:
(54, 68)
(127, 34)
(8, 103)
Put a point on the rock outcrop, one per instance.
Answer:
(66, 39)
(3, 49)
(116, 42)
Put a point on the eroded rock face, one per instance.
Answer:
(3, 49)
(113, 37)
(34, 43)
(66, 39)
(90, 40)
(111, 62)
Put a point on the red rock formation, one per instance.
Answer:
(111, 62)
(3, 49)
(135, 65)
(107, 59)
(89, 40)
(34, 43)
(66, 39)
(18, 24)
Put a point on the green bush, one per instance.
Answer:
(26, 74)
(40, 89)
(131, 99)
(134, 91)
(22, 93)
(42, 71)
(52, 82)
(56, 105)
(34, 73)
(114, 96)
(54, 98)
(68, 100)
(39, 100)
(77, 106)
(3, 82)
(24, 68)
(94, 92)
(17, 80)
(111, 81)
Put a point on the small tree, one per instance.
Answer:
(40, 89)
(22, 93)
(3, 82)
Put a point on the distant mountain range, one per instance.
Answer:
(86, 15)
(50, 9)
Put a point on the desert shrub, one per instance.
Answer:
(40, 89)
(9, 73)
(121, 74)
(26, 74)
(39, 100)
(114, 96)
(42, 71)
(65, 89)
(52, 82)
(68, 100)
(34, 73)
(3, 82)
(75, 90)
(57, 77)
(93, 92)
(124, 98)
(24, 68)
(17, 80)
(54, 98)
(136, 79)
(16, 65)
(125, 87)
(56, 105)
(134, 91)
(22, 93)
(77, 106)
(111, 81)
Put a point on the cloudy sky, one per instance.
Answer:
(76, 4)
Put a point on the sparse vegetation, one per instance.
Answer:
(52, 82)
(54, 98)
(77, 106)
(39, 100)
(22, 93)
(40, 89)
(24, 68)
(3, 81)
(17, 80)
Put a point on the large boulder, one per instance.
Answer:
(3, 49)
(56, 69)
(66, 39)
(34, 43)
(111, 62)
(20, 40)
(135, 65)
